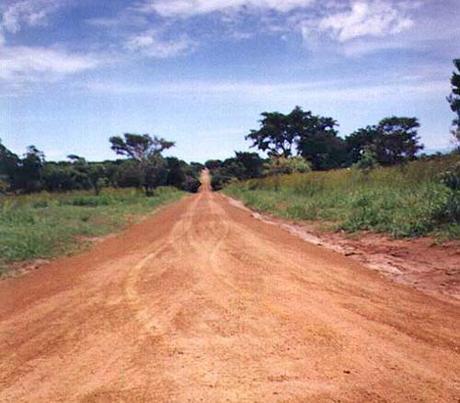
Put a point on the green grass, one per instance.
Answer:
(49, 224)
(406, 201)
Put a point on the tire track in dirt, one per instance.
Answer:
(143, 315)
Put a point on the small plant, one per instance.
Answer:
(367, 162)
(284, 166)
(415, 201)
(44, 225)
(451, 177)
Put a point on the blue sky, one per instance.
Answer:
(75, 72)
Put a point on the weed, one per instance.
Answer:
(418, 199)
(45, 225)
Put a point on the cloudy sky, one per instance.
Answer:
(74, 72)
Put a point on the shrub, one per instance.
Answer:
(402, 202)
(283, 166)
(191, 184)
(451, 177)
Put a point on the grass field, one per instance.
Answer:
(406, 201)
(45, 225)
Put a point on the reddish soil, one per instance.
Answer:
(421, 263)
(202, 302)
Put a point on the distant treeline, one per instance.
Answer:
(144, 168)
(301, 141)
(295, 142)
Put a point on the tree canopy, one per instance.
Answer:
(454, 100)
(392, 141)
(145, 167)
(139, 147)
(146, 151)
(302, 133)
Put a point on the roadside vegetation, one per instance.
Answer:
(143, 167)
(420, 198)
(48, 208)
(43, 225)
(375, 178)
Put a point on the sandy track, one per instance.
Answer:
(201, 302)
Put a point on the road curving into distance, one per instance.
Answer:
(202, 302)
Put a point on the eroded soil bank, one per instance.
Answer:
(422, 263)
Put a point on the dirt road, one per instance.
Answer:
(201, 302)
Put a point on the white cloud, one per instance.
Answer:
(151, 44)
(187, 8)
(21, 63)
(26, 64)
(16, 14)
(370, 18)
(289, 92)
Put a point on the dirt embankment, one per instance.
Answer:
(202, 302)
(421, 263)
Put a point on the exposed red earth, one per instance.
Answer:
(421, 263)
(203, 302)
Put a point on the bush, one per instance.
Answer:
(191, 184)
(43, 225)
(402, 202)
(218, 181)
(285, 166)
(451, 177)
(88, 201)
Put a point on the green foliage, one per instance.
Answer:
(140, 147)
(393, 141)
(402, 202)
(276, 135)
(148, 170)
(213, 164)
(218, 180)
(191, 184)
(303, 133)
(146, 151)
(44, 224)
(454, 100)
(284, 166)
(243, 166)
(367, 162)
(451, 177)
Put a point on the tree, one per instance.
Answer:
(9, 163)
(274, 136)
(394, 140)
(325, 150)
(360, 141)
(176, 172)
(128, 174)
(213, 164)
(454, 101)
(28, 173)
(59, 177)
(398, 140)
(146, 151)
(89, 174)
(300, 133)
(97, 177)
(139, 147)
(251, 163)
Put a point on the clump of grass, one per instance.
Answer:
(406, 201)
(45, 225)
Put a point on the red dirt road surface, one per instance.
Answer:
(202, 302)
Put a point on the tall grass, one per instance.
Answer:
(46, 224)
(404, 201)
